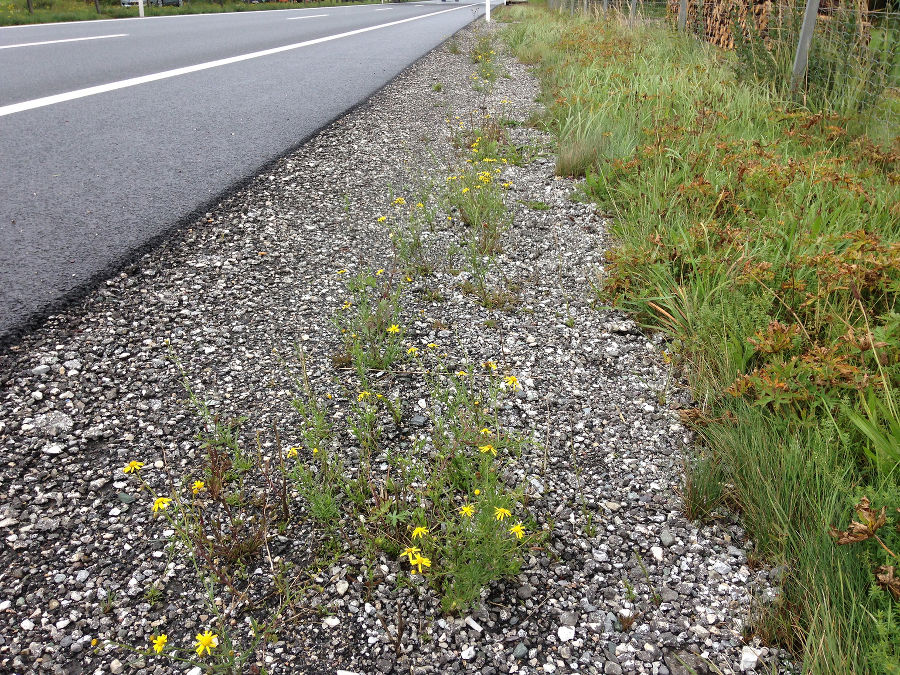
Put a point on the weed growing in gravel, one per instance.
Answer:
(369, 323)
(435, 500)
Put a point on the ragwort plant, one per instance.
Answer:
(440, 505)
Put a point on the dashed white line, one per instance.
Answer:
(308, 16)
(154, 77)
(55, 42)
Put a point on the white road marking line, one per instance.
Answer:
(54, 42)
(154, 77)
(308, 16)
(383, 9)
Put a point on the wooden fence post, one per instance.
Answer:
(682, 14)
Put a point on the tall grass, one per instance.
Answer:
(763, 239)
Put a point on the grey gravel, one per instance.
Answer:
(234, 295)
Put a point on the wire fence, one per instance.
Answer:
(833, 55)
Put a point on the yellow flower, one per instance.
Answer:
(465, 190)
(461, 373)
(206, 641)
(517, 530)
(198, 486)
(412, 350)
(159, 643)
(362, 395)
(419, 532)
(292, 452)
(378, 273)
(501, 513)
(410, 552)
(485, 432)
(490, 364)
(409, 278)
(432, 345)
(347, 304)
(513, 382)
(420, 562)
(488, 449)
(467, 510)
(400, 201)
(315, 451)
(420, 205)
(342, 271)
(382, 219)
(393, 329)
(161, 504)
(477, 492)
(133, 467)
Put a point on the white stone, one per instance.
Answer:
(749, 658)
(473, 624)
(331, 621)
(27, 624)
(195, 671)
(657, 553)
(565, 633)
(116, 667)
(341, 587)
(468, 653)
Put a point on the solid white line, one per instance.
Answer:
(53, 42)
(309, 16)
(154, 77)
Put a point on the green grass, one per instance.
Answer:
(15, 12)
(764, 239)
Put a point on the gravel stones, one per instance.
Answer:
(234, 295)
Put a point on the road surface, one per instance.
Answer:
(112, 133)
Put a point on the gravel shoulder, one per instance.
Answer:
(234, 295)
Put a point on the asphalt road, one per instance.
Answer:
(110, 142)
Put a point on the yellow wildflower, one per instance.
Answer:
(412, 350)
(315, 451)
(432, 345)
(490, 364)
(488, 449)
(477, 492)
(420, 562)
(342, 271)
(400, 201)
(419, 532)
(206, 641)
(198, 486)
(517, 530)
(381, 219)
(501, 513)
(378, 273)
(410, 552)
(363, 395)
(133, 467)
(393, 329)
(461, 373)
(513, 382)
(467, 510)
(161, 504)
(485, 432)
(292, 452)
(159, 643)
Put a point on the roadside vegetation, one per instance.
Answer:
(16, 12)
(763, 239)
(372, 470)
